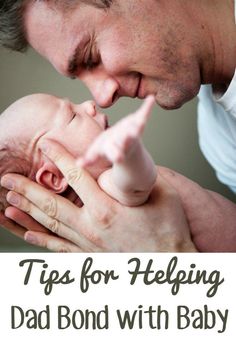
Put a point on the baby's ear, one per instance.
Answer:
(50, 177)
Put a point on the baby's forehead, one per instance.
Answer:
(37, 111)
(33, 103)
(30, 117)
(38, 105)
(41, 101)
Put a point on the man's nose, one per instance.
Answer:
(103, 88)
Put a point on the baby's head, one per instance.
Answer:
(39, 116)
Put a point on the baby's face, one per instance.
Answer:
(76, 126)
(73, 125)
(40, 116)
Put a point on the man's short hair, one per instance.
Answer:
(12, 32)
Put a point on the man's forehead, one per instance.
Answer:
(51, 36)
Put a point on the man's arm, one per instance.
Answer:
(211, 217)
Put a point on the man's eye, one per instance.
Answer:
(89, 63)
(92, 61)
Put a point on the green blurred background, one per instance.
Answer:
(170, 136)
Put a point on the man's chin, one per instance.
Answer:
(169, 105)
(174, 99)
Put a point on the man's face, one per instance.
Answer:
(133, 48)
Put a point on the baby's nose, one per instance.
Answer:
(90, 108)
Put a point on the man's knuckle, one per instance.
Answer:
(57, 157)
(93, 238)
(53, 225)
(50, 207)
(63, 249)
(73, 175)
(24, 205)
(71, 219)
(21, 188)
(104, 217)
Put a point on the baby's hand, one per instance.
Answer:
(116, 142)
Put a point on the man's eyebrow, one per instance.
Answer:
(73, 62)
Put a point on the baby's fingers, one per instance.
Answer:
(134, 124)
(145, 110)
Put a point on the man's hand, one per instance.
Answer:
(102, 224)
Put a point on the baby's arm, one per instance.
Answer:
(133, 174)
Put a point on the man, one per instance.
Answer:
(135, 48)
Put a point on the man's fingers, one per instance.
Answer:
(51, 242)
(29, 196)
(24, 220)
(49, 203)
(54, 225)
(78, 233)
(80, 180)
(11, 226)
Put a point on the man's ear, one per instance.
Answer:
(50, 177)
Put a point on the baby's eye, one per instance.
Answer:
(73, 116)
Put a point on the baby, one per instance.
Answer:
(114, 156)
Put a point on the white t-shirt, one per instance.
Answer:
(217, 129)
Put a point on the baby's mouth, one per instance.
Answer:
(103, 121)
